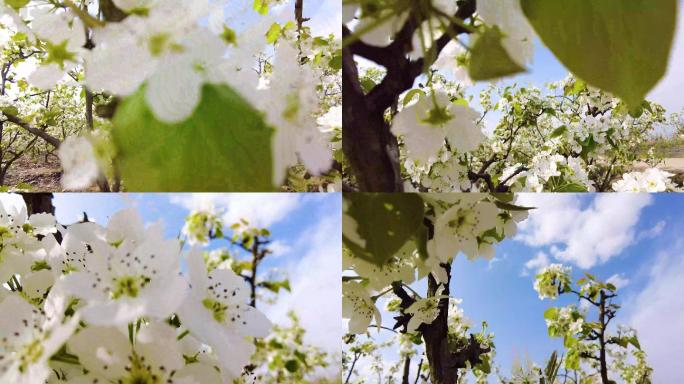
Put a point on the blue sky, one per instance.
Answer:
(305, 228)
(499, 293)
(634, 237)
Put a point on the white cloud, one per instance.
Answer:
(618, 280)
(538, 262)
(326, 19)
(585, 236)
(669, 91)
(658, 315)
(260, 209)
(279, 248)
(316, 294)
(652, 233)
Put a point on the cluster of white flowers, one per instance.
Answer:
(650, 180)
(467, 224)
(426, 124)
(5, 101)
(423, 311)
(544, 166)
(551, 280)
(463, 223)
(565, 321)
(172, 49)
(201, 225)
(87, 303)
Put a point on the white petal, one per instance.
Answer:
(46, 76)
(103, 350)
(78, 160)
(174, 92)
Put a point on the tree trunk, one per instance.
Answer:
(407, 370)
(442, 370)
(368, 144)
(39, 203)
(602, 342)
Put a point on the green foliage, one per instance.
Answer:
(224, 146)
(17, 4)
(619, 46)
(385, 221)
(288, 357)
(489, 59)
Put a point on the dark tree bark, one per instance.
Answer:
(368, 144)
(39, 203)
(110, 12)
(444, 362)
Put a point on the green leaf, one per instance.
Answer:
(292, 365)
(619, 46)
(570, 188)
(385, 221)
(560, 131)
(276, 286)
(410, 95)
(273, 33)
(224, 146)
(635, 342)
(367, 84)
(511, 207)
(551, 313)
(261, 6)
(11, 110)
(335, 62)
(17, 4)
(489, 59)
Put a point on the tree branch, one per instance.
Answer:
(35, 131)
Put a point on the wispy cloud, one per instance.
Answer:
(658, 314)
(316, 294)
(583, 235)
(260, 209)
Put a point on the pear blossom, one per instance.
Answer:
(200, 226)
(63, 34)
(29, 336)
(332, 119)
(509, 17)
(451, 60)
(650, 180)
(128, 275)
(77, 156)
(551, 280)
(290, 108)
(397, 269)
(108, 355)
(426, 124)
(18, 245)
(174, 58)
(358, 307)
(458, 228)
(217, 311)
(424, 311)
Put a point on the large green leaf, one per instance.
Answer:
(385, 221)
(620, 46)
(489, 59)
(224, 146)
